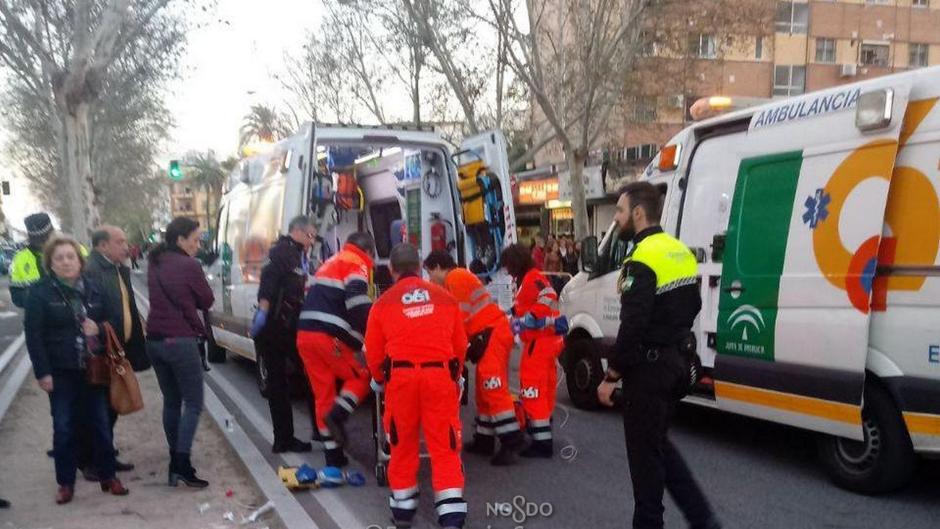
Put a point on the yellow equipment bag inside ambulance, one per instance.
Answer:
(469, 166)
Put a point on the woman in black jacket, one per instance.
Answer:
(63, 312)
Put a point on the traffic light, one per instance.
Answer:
(176, 172)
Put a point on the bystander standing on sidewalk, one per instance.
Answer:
(106, 266)
(63, 313)
(178, 292)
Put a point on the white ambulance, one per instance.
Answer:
(398, 183)
(816, 223)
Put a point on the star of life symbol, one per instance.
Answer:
(817, 208)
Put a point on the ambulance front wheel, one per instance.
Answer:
(884, 460)
(583, 372)
(381, 474)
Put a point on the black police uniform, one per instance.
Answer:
(659, 302)
(282, 283)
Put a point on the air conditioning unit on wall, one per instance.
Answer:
(848, 70)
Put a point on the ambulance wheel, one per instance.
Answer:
(381, 474)
(261, 375)
(583, 373)
(214, 353)
(883, 461)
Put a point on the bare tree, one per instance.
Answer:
(126, 129)
(62, 51)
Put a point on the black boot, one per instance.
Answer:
(540, 449)
(336, 422)
(335, 458)
(291, 445)
(510, 445)
(184, 471)
(483, 445)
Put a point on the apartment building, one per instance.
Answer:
(809, 45)
(190, 200)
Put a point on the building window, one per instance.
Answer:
(789, 80)
(876, 2)
(792, 17)
(644, 109)
(640, 153)
(759, 48)
(826, 50)
(874, 54)
(703, 46)
(917, 57)
(921, 3)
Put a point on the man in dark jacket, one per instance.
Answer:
(274, 328)
(106, 266)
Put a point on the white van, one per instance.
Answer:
(816, 223)
(397, 183)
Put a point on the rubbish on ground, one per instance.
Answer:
(204, 508)
(229, 493)
(230, 516)
(253, 517)
(289, 478)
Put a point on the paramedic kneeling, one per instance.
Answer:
(416, 345)
(659, 301)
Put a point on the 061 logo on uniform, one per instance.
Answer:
(418, 295)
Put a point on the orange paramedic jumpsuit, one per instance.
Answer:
(496, 414)
(537, 373)
(417, 326)
(330, 333)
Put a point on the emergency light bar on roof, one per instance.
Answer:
(708, 107)
(414, 128)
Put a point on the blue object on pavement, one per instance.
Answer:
(331, 478)
(355, 478)
(306, 474)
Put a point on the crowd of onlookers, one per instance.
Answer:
(559, 257)
(80, 310)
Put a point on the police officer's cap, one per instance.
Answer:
(38, 224)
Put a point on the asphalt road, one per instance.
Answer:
(757, 474)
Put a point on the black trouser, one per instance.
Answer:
(278, 347)
(650, 398)
(85, 434)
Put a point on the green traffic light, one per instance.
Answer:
(176, 173)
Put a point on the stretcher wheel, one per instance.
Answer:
(381, 474)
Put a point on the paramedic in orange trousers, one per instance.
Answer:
(535, 312)
(424, 382)
(330, 334)
(491, 343)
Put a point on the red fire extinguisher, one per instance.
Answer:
(438, 233)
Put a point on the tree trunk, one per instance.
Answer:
(576, 159)
(83, 205)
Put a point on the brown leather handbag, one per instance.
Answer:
(97, 370)
(125, 390)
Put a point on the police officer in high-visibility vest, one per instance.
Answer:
(27, 267)
(659, 302)
(415, 349)
(491, 343)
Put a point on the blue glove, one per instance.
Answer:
(258, 323)
(354, 478)
(306, 475)
(561, 325)
(517, 326)
(331, 478)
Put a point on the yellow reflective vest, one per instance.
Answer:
(25, 271)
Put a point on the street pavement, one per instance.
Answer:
(757, 474)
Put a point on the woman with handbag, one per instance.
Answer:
(63, 315)
(175, 334)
